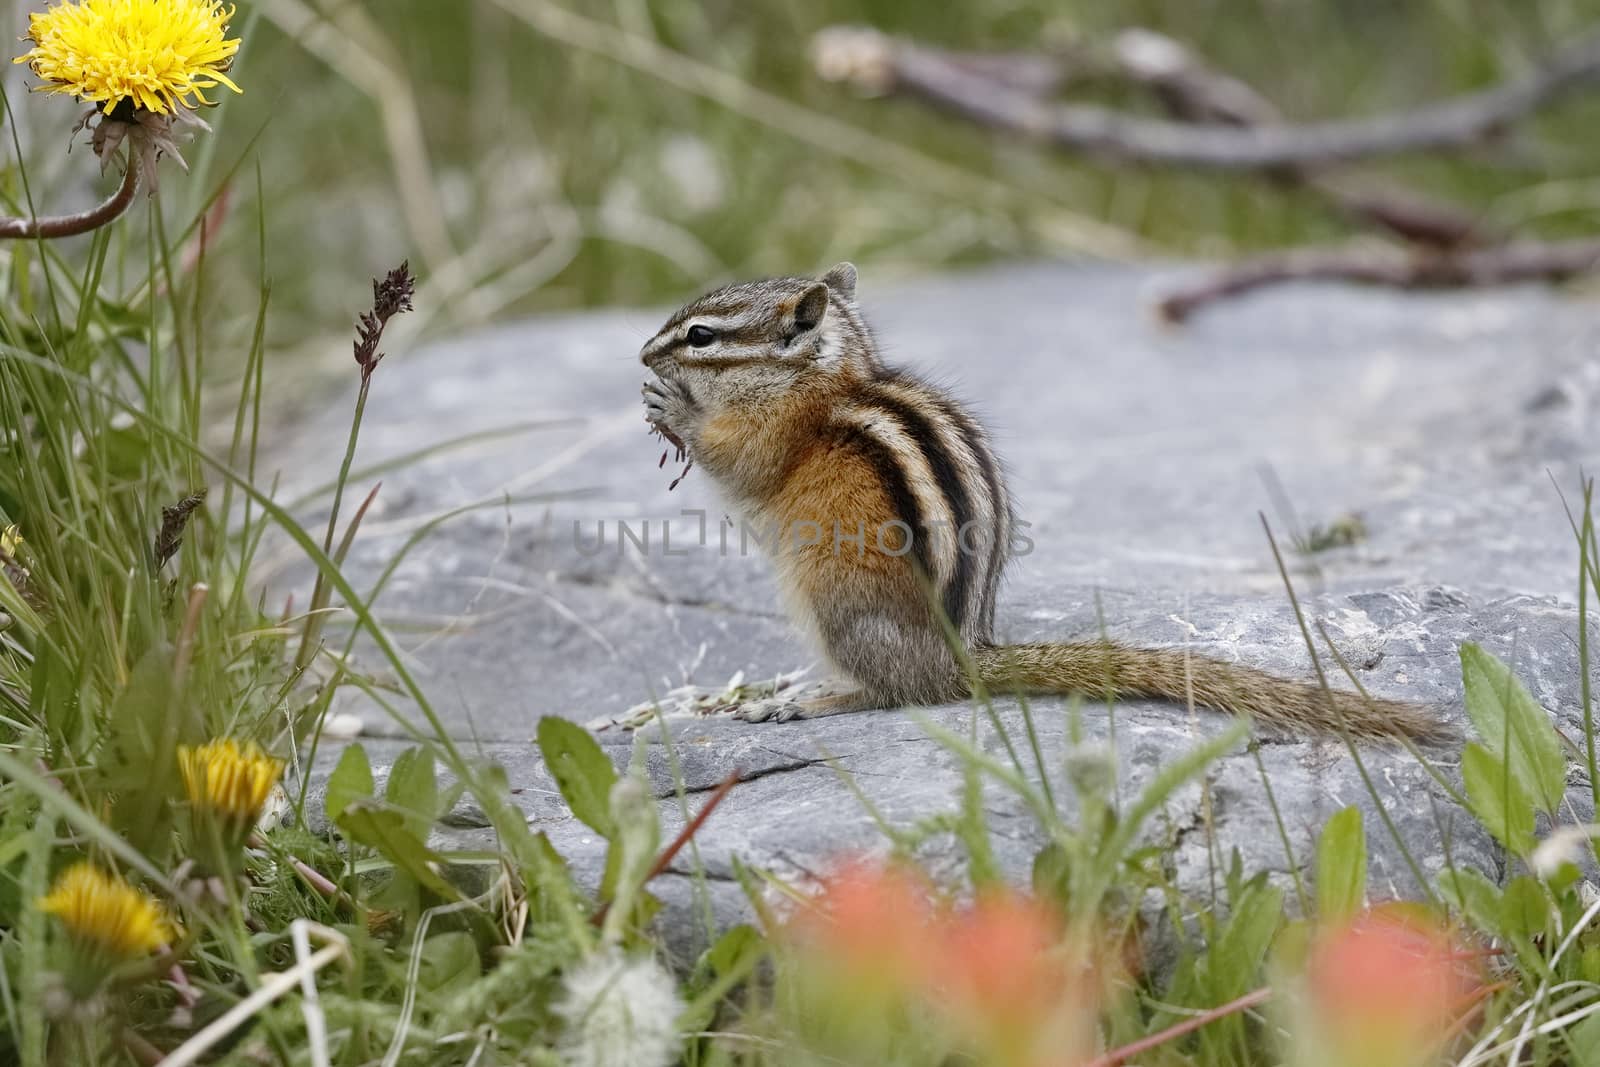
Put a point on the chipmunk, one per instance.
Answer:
(775, 388)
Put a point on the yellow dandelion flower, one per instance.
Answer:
(222, 777)
(158, 54)
(105, 912)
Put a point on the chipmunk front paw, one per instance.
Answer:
(820, 701)
(669, 407)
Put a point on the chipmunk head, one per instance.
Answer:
(774, 332)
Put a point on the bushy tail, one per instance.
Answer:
(1100, 668)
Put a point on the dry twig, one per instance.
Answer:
(1219, 122)
(1504, 264)
(1187, 87)
(883, 63)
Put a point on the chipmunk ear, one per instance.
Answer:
(810, 308)
(841, 278)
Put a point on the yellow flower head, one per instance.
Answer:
(222, 777)
(156, 53)
(105, 912)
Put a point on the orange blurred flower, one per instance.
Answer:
(1013, 986)
(1385, 987)
(998, 977)
(871, 920)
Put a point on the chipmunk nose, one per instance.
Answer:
(652, 352)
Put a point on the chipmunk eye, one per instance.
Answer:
(700, 336)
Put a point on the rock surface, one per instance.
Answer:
(1140, 456)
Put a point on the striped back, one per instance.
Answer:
(945, 483)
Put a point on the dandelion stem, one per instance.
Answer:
(79, 222)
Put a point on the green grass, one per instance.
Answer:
(133, 375)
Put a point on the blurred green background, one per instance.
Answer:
(530, 156)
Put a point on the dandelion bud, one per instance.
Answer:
(227, 786)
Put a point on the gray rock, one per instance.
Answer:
(1140, 456)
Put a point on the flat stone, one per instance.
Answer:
(1141, 457)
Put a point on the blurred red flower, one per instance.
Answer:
(1010, 982)
(1385, 987)
(872, 920)
(999, 974)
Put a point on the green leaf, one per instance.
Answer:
(1051, 869)
(1234, 964)
(449, 962)
(582, 770)
(351, 780)
(385, 831)
(540, 866)
(972, 830)
(634, 844)
(401, 894)
(1565, 876)
(1498, 799)
(1341, 867)
(139, 756)
(1524, 909)
(722, 966)
(1236, 959)
(413, 789)
(1474, 896)
(53, 693)
(1583, 1042)
(122, 452)
(1514, 727)
(736, 951)
(1189, 765)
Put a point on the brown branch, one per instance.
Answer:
(1118, 1056)
(882, 63)
(1515, 261)
(82, 221)
(1221, 122)
(1417, 219)
(1193, 90)
(1189, 88)
(1027, 72)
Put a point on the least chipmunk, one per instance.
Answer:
(776, 390)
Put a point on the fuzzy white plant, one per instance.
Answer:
(619, 1011)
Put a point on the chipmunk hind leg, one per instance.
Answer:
(884, 661)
